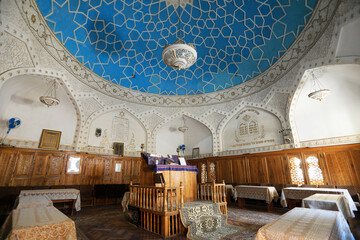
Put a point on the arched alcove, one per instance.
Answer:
(335, 116)
(168, 137)
(251, 127)
(117, 126)
(19, 97)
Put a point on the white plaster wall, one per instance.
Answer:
(268, 125)
(198, 136)
(338, 114)
(19, 97)
(349, 40)
(168, 137)
(136, 132)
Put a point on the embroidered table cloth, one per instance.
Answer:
(38, 223)
(333, 202)
(34, 201)
(301, 193)
(256, 192)
(55, 194)
(309, 224)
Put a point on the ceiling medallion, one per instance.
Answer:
(49, 97)
(318, 91)
(179, 55)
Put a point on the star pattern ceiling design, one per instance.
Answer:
(122, 41)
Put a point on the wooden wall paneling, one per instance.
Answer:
(286, 169)
(98, 170)
(39, 170)
(55, 170)
(23, 169)
(275, 169)
(87, 173)
(211, 170)
(109, 170)
(135, 170)
(257, 170)
(118, 175)
(7, 163)
(224, 171)
(127, 171)
(339, 166)
(355, 165)
(239, 170)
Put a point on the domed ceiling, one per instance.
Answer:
(122, 41)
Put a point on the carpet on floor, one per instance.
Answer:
(205, 221)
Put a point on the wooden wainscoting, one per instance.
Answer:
(340, 165)
(35, 167)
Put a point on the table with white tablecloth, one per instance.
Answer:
(38, 223)
(265, 193)
(333, 202)
(299, 193)
(56, 195)
(34, 201)
(309, 224)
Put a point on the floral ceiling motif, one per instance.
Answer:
(121, 41)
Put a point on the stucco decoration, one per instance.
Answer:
(311, 33)
(252, 127)
(12, 46)
(118, 126)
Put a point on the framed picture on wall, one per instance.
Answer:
(195, 153)
(118, 148)
(50, 139)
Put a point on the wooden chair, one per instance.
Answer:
(353, 193)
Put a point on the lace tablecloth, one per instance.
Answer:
(34, 201)
(55, 194)
(301, 193)
(305, 223)
(333, 202)
(38, 223)
(256, 192)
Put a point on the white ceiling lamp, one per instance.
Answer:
(179, 55)
(183, 128)
(319, 92)
(49, 97)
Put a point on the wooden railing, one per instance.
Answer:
(157, 199)
(215, 192)
(159, 208)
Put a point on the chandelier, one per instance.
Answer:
(183, 128)
(318, 91)
(49, 97)
(179, 55)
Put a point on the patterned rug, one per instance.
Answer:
(205, 221)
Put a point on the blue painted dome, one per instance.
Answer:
(122, 40)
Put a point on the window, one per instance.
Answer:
(297, 175)
(314, 171)
(73, 165)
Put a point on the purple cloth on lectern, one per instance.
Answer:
(188, 168)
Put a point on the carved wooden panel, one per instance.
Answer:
(87, 169)
(135, 170)
(109, 169)
(23, 169)
(39, 169)
(126, 171)
(224, 171)
(7, 164)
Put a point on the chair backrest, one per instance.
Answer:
(351, 189)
